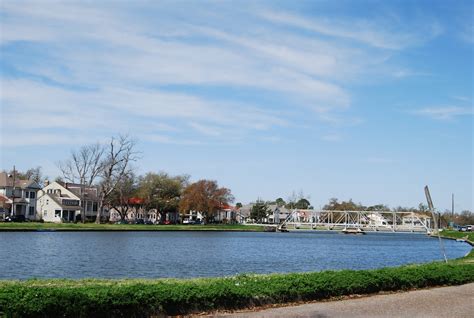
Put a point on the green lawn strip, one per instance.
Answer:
(36, 226)
(142, 298)
(458, 235)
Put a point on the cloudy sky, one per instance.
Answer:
(366, 100)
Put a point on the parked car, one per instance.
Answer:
(122, 222)
(148, 222)
(16, 218)
(167, 222)
(139, 221)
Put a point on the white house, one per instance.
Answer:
(63, 202)
(276, 215)
(18, 196)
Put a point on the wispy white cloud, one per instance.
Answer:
(332, 137)
(144, 74)
(444, 112)
(373, 33)
(402, 73)
(21, 139)
(463, 98)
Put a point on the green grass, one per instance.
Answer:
(458, 235)
(144, 298)
(35, 226)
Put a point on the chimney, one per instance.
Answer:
(46, 183)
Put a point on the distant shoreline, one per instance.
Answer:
(91, 227)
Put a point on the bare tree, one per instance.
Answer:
(36, 175)
(116, 165)
(121, 198)
(84, 167)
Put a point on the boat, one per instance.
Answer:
(353, 231)
(269, 229)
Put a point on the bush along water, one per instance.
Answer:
(144, 298)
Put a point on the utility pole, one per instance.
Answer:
(452, 206)
(83, 203)
(433, 214)
(13, 192)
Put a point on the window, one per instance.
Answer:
(32, 195)
(94, 207)
(27, 194)
(70, 202)
(57, 212)
(32, 210)
(45, 213)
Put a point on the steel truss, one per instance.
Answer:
(367, 220)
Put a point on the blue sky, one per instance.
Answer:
(369, 100)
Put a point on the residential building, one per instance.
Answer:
(63, 202)
(134, 210)
(278, 214)
(226, 214)
(17, 196)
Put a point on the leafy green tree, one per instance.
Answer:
(206, 197)
(422, 207)
(162, 192)
(238, 205)
(280, 202)
(378, 207)
(302, 204)
(403, 209)
(335, 205)
(259, 211)
(297, 201)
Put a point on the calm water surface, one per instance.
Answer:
(197, 254)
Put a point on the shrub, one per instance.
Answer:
(142, 298)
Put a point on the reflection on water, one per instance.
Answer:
(200, 254)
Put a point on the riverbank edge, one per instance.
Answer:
(89, 227)
(145, 297)
(467, 237)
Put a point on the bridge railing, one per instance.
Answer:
(410, 221)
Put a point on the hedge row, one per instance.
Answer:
(143, 298)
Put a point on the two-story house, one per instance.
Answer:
(18, 196)
(63, 202)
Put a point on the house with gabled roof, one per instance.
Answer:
(276, 214)
(18, 196)
(63, 202)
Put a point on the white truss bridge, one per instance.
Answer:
(386, 221)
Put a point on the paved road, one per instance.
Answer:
(456, 301)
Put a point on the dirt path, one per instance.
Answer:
(455, 301)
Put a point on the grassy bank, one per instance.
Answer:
(469, 236)
(36, 226)
(143, 298)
